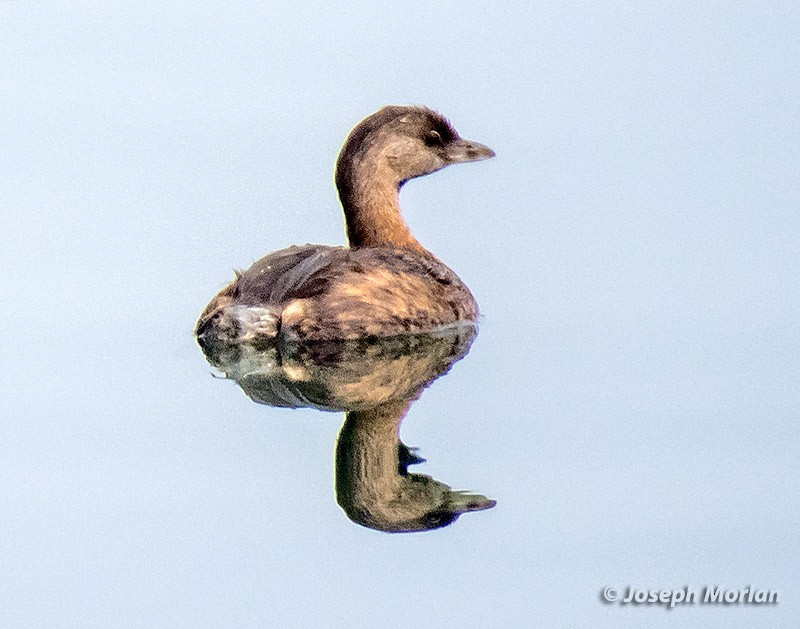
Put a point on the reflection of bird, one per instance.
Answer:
(343, 375)
(373, 484)
(375, 380)
(386, 283)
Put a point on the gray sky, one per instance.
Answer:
(631, 402)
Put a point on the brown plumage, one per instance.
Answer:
(386, 283)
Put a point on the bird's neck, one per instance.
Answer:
(370, 196)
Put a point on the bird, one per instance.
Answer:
(385, 283)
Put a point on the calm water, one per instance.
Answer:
(631, 401)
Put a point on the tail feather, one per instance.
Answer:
(238, 324)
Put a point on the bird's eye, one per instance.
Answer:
(434, 138)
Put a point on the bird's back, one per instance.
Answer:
(316, 292)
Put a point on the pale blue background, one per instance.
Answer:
(632, 400)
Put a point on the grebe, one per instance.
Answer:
(386, 283)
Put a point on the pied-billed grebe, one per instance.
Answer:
(386, 283)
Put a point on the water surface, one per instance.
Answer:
(630, 402)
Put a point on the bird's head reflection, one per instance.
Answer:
(375, 381)
(374, 486)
